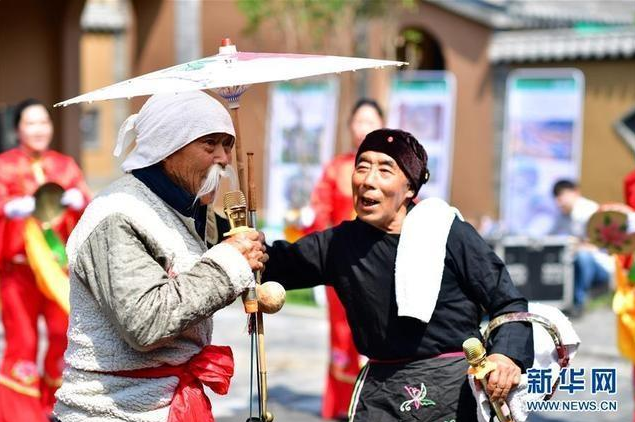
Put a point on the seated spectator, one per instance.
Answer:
(592, 266)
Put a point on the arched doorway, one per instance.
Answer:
(420, 49)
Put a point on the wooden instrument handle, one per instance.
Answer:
(251, 183)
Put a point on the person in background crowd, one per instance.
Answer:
(332, 203)
(591, 265)
(629, 189)
(625, 332)
(24, 394)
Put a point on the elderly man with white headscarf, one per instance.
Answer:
(147, 273)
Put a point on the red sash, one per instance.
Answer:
(213, 366)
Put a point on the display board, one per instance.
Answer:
(423, 103)
(301, 128)
(541, 144)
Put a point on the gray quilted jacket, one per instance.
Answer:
(143, 291)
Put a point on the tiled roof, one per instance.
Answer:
(104, 16)
(535, 14)
(494, 17)
(562, 44)
(610, 12)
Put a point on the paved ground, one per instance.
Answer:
(296, 355)
(296, 347)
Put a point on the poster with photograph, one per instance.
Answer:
(422, 103)
(302, 118)
(541, 145)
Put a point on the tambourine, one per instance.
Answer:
(609, 230)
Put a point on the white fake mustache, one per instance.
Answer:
(212, 181)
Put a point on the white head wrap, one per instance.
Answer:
(167, 123)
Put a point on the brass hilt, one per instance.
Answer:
(480, 367)
(235, 207)
(476, 357)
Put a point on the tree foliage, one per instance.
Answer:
(315, 24)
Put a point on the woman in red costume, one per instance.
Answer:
(24, 394)
(629, 198)
(332, 202)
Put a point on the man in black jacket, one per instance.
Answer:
(416, 368)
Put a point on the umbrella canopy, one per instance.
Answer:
(229, 73)
(229, 68)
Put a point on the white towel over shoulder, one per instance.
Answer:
(421, 256)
